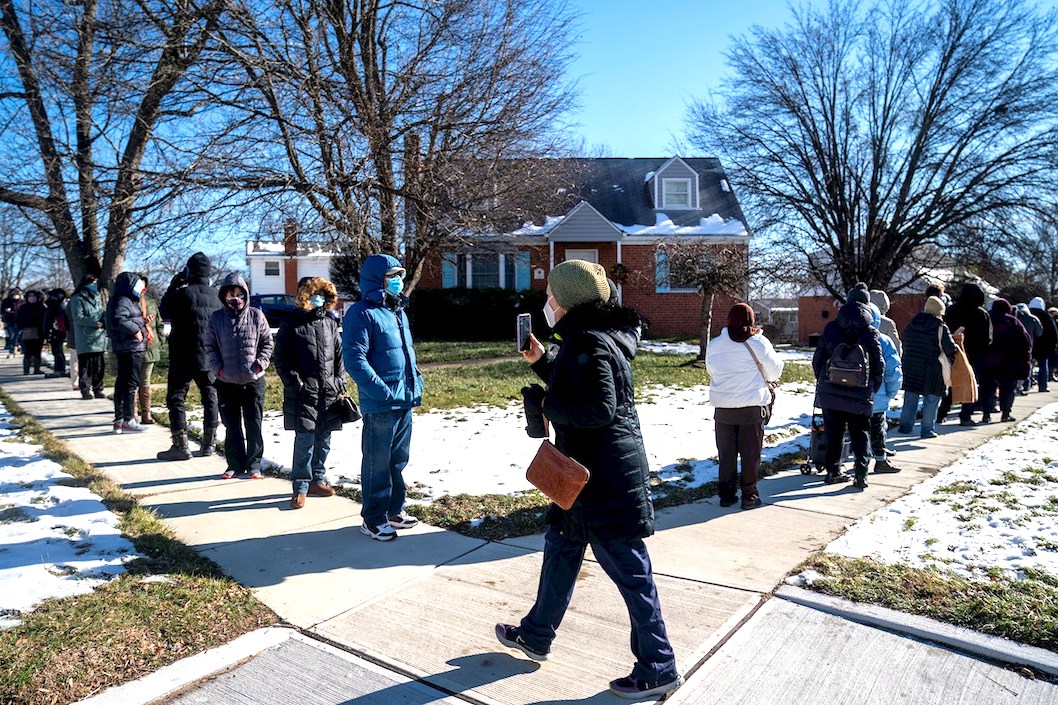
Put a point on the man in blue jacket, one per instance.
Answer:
(380, 357)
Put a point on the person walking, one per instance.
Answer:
(742, 366)
(380, 357)
(1035, 329)
(128, 339)
(30, 322)
(1045, 346)
(9, 306)
(188, 304)
(894, 376)
(153, 353)
(849, 339)
(88, 314)
(308, 358)
(1007, 362)
(969, 314)
(56, 324)
(925, 339)
(590, 402)
(239, 347)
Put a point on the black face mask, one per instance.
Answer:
(233, 305)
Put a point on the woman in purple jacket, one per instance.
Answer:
(239, 348)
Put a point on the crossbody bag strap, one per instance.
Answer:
(760, 367)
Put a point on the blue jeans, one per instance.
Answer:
(386, 445)
(11, 338)
(310, 453)
(627, 563)
(1043, 374)
(930, 402)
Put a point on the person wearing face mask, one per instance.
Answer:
(590, 402)
(239, 347)
(308, 358)
(30, 322)
(87, 314)
(10, 305)
(128, 339)
(56, 325)
(380, 357)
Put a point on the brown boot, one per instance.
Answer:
(320, 489)
(297, 501)
(145, 405)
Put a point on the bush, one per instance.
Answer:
(473, 314)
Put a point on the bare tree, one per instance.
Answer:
(92, 108)
(861, 133)
(17, 250)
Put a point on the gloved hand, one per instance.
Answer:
(535, 423)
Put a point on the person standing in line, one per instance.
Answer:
(239, 347)
(925, 339)
(1052, 311)
(969, 314)
(128, 340)
(742, 364)
(155, 333)
(887, 326)
(894, 376)
(1035, 329)
(849, 406)
(380, 357)
(308, 358)
(88, 314)
(73, 370)
(1007, 362)
(188, 304)
(56, 323)
(10, 305)
(30, 321)
(590, 402)
(1046, 344)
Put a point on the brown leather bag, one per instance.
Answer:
(557, 475)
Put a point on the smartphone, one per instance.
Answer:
(525, 330)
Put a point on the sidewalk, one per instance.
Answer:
(423, 607)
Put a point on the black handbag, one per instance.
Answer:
(346, 409)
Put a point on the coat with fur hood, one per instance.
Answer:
(852, 327)
(125, 317)
(187, 304)
(590, 401)
(308, 358)
(239, 343)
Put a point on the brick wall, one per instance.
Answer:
(814, 312)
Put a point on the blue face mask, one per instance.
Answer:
(93, 287)
(317, 301)
(394, 285)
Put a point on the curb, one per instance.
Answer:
(959, 638)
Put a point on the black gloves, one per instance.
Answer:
(535, 424)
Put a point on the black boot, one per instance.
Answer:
(25, 364)
(179, 451)
(209, 441)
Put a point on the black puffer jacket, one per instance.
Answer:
(591, 403)
(967, 313)
(852, 327)
(30, 316)
(125, 317)
(308, 358)
(188, 304)
(1009, 358)
(923, 341)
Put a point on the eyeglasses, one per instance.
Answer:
(239, 297)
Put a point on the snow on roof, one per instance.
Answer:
(530, 229)
(713, 225)
(304, 249)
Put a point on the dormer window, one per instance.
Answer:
(676, 193)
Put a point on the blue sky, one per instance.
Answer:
(642, 61)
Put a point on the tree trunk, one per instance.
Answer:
(707, 322)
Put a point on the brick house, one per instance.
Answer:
(276, 267)
(625, 209)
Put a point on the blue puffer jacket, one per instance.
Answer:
(125, 317)
(894, 373)
(377, 345)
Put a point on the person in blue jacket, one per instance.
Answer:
(380, 357)
(894, 377)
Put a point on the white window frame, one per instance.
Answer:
(279, 269)
(587, 255)
(665, 203)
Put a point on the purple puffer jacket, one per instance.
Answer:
(237, 342)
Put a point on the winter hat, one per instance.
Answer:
(576, 281)
(740, 323)
(859, 293)
(880, 299)
(1000, 306)
(1022, 308)
(934, 306)
(1037, 302)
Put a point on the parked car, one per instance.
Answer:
(275, 306)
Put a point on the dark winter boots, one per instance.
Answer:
(179, 450)
(209, 441)
(145, 405)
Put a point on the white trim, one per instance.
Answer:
(502, 273)
(592, 252)
(689, 206)
(620, 286)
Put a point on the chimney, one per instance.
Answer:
(290, 238)
(290, 250)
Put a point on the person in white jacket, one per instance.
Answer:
(741, 364)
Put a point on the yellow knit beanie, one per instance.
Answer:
(576, 281)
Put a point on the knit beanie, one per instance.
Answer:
(859, 294)
(576, 281)
(934, 306)
(740, 323)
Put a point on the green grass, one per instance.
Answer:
(69, 648)
(432, 351)
(1024, 610)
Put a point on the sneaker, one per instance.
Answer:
(87, 395)
(836, 478)
(1008, 418)
(254, 475)
(635, 689)
(382, 532)
(403, 521)
(118, 427)
(889, 452)
(509, 636)
(227, 474)
(967, 422)
(322, 489)
(132, 425)
(930, 434)
(986, 419)
(884, 466)
(100, 395)
(751, 502)
(860, 483)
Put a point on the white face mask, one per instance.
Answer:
(549, 314)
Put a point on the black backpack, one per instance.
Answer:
(848, 366)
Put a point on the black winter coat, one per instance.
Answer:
(590, 401)
(188, 304)
(1009, 358)
(125, 317)
(1047, 344)
(32, 316)
(921, 358)
(308, 358)
(852, 326)
(967, 313)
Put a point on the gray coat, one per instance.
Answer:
(237, 341)
(86, 313)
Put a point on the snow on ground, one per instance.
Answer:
(786, 352)
(996, 507)
(55, 540)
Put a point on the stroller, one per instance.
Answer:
(817, 447)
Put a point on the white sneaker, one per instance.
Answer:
(382, 532)
(132, 425)
(118, 427)
(403, 521)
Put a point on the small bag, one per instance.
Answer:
(848, 366)
(557, 475)
(346, 409)
(771, 385)
(945, 363)
(963, 379)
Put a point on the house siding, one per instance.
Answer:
(675, 170)
(586, 225)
